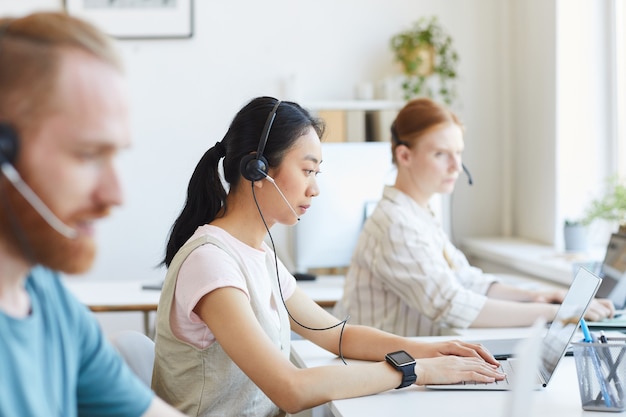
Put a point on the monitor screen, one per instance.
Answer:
(613, 271)
(351, 182)
(614, 264)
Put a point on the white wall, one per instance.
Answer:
(560, 118)
(533, 126)
(185, 92)
(586, 154)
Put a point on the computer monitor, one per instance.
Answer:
(351, 181)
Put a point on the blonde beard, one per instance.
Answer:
(27, 235)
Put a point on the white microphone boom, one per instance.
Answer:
(12, 175)
(270, 179)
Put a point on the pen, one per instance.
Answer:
(613, 367)
(603, 338)
(586, 333)
(596, 364)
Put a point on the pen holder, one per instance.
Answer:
(601, 370)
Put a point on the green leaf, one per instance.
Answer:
(426, 31)
(611, 205)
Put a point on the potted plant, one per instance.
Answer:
(609, 206)
(426, 53)
(575, 235)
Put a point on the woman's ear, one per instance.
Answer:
(403, 155)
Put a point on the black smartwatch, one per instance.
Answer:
(404, 363)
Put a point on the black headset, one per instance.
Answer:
(254, 167)
(9, 144)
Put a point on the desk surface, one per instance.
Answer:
(560, 398)
(101, 296)
(325, 290)
(117, 295)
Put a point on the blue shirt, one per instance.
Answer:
(57, 363)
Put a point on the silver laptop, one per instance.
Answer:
(554, 343)
(612, 271)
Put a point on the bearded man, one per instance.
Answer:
(63, 120)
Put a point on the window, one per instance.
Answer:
(619, 12)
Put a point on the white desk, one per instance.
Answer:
(115, 296)
(560, 398)
(128, 296)
(325, 290)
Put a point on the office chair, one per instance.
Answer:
(137, 349)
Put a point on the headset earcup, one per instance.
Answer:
(9, 143)
(253, 168)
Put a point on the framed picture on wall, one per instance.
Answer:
(137, 19)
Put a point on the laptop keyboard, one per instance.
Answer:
(505, 367)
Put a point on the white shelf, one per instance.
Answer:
(529, 257)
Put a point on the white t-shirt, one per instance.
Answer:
(208, 268)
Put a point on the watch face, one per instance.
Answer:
(401, 357)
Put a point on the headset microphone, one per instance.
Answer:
(270, 179)
(12, 175)
(470, 181)
(8, 152)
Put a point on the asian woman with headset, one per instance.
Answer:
(229, 305)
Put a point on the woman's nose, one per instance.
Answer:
(314, 190)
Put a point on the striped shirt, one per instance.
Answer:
(406, 277)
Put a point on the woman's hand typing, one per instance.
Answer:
(454, 369)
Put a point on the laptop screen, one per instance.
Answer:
(565, 323)
(614, 264)
(612, 271)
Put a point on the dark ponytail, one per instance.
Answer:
(206, 195)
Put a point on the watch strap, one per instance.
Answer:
(408, 376)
